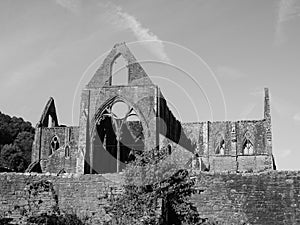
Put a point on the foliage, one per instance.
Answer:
(54, 219)
(156, 191)
(5, 221)
(16, 138)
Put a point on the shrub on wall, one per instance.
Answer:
(157, 191)
(54, 219)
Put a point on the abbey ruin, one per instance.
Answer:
(104, 141)
(237, 175)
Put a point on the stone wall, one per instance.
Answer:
(58, 160)
(207, 135)
(24, 195)
(249, 198)
(171, 128)
(230, 198)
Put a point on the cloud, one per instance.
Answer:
(258, 92)
(247, 110)
(285, 153)
(123, 20)
(27, 73)
(287, 10)
(281, 106)
(230, 73)
(71, 5)
(296, 117)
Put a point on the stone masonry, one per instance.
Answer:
(104, 143)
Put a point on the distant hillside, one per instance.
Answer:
(16, 138)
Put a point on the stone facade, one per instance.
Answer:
(104, 142)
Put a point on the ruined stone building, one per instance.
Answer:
(119, 121)
(77, 166)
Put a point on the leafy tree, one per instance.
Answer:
(24, 141)
(12, 157)
(16, 138)
(157, 190)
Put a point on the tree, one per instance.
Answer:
(16, 138)
(157, 190)
(13, 158)
(24, 141)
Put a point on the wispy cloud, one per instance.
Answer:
(123, 20)
(71, 5)
(258, 92)
(282, 107)
(230, 73)
(287, 10)
(296, 117)
(247, 110)
(27, 73)
(285, 153)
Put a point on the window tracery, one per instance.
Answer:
(54, 144)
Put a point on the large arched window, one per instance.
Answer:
(119, 71)
(117, 139)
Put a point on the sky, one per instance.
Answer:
(211, 58)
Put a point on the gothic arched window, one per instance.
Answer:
(248, 147)
(220, 145)
(54, 144)
(119, 71)
(169, 149)
(67, 151)
(118, 138)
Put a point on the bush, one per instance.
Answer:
(156, 191)
(54, 219)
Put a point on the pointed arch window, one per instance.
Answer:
(248, 148)
(67, 151)
(54, 144)
(220, 145)
(169, 149)
(118, 138)
(119, 71)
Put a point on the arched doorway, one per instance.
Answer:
(117, 138)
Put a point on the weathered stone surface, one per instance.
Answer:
(24, 195)
(230, 198)
(254, 198)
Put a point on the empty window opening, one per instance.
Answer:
(50, 121)
(118, 139)
(169, 149)
(54, 144)
(119, 72)
(133, 117)
(220, 149)
(67, 151)
(119, 110)
(248, 147)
